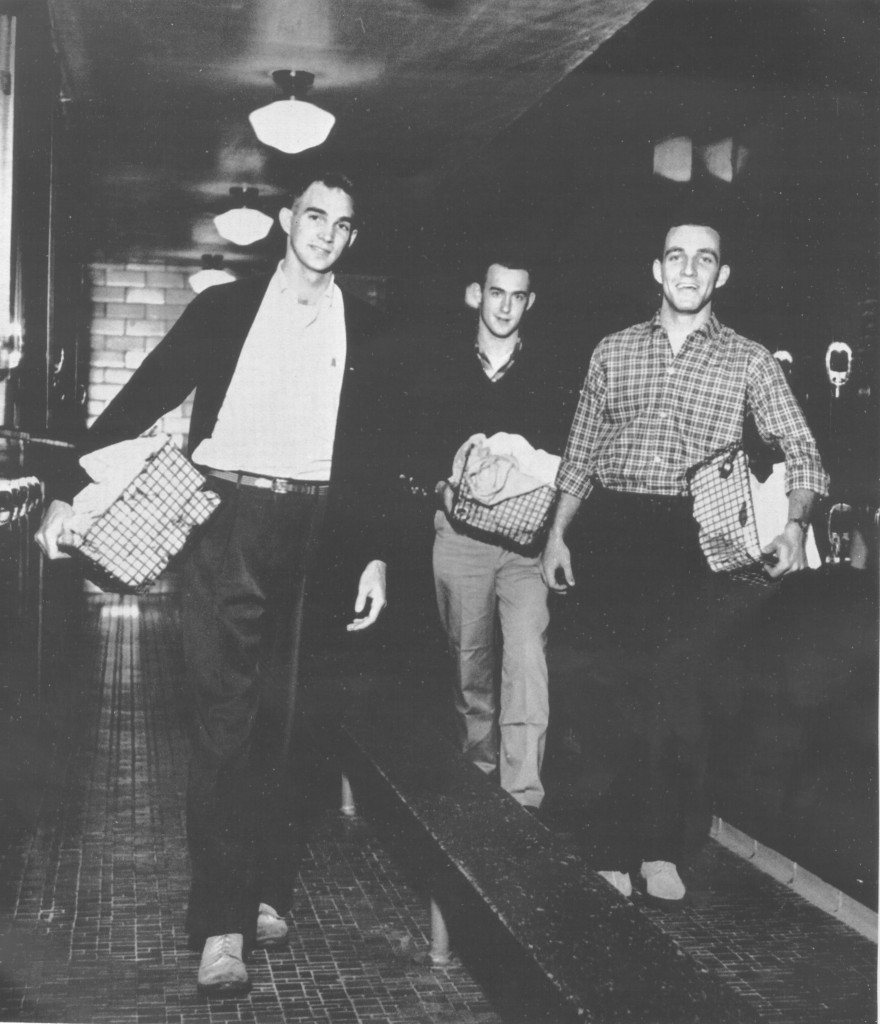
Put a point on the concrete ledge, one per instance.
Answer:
(822, 895)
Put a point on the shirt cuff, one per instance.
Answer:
(806, 478)
(575, 480)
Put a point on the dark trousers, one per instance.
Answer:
(676, 631)
(244, 584)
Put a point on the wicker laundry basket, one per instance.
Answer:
(520, 522)
(724, 510)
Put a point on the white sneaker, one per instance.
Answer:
(620, 880)
(271, 927)
(222, 970)
(662, 880)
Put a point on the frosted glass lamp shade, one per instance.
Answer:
(291, 125)
(243, 225)
(203, 279)
(673, 158)
(719, 159)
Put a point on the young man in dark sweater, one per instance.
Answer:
(490, 383)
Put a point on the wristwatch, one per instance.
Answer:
(804, 524)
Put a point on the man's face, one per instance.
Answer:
(502, 299)
(319, 227)
(691, 268)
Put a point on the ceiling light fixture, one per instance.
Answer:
(210, 274)
(292, 125)
(243, 225)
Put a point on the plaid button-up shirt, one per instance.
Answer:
(645, 416)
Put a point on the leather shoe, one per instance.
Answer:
(663, 881)
(620, 880)
(271, 927)
(222, 971)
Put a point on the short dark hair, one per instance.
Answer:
(327, 178)
(701, 215)
(509, 257)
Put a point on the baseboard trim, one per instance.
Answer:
(812, 888)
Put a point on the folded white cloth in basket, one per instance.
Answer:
(502, 466)
(112, 469)
(771, 512)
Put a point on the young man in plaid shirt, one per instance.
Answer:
(659, 397)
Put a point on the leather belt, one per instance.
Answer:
(277, 484)
(640, 499)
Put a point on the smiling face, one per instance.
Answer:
(319, 227)
(691, 269)
(501, 300)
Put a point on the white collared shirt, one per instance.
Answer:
(279, 414)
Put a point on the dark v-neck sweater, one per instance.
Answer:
(451, 398)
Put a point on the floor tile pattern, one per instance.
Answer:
(789, 959)
(93, 878)
(93, 899)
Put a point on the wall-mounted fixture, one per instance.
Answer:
(292, 125)
(10, 357)
(243, 224)
(10, 348)
(210, 274)
(675, 158)
(838, 365)
(785, 360)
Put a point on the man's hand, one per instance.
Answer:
(787, 552)
(556, 557)
(52, 530)
(370, 588)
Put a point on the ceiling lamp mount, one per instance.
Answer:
(243, 224)
(292, 125)
(246, 196)
(210, 274)
(294, 83)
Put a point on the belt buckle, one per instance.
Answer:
(281, 486)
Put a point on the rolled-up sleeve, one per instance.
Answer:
(578, 466)
(779, 419)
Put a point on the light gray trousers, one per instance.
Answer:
(480, 587)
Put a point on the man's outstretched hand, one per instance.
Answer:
(371, 592)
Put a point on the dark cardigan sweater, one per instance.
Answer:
(200, 353)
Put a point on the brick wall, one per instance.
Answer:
(133, 305)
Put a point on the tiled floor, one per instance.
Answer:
(94, 885)
(93, 879)
(790, 960)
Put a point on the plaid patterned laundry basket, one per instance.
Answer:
(519, 522)
(128, 547)
(724, 510)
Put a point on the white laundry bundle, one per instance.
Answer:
(504, 488)
(111, 470)
(771, 512)
(145, 500)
